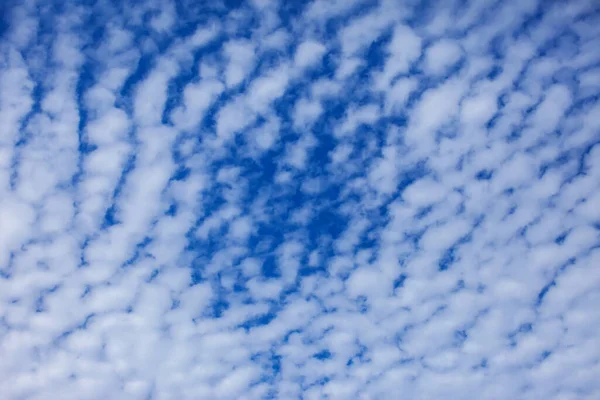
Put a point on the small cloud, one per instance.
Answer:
(441, 55)
(308, 54)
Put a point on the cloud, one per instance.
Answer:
(308, 53)
(404, 49)
(440, 56)
(241, 55)
(343, 200)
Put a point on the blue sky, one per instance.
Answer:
(300, 200)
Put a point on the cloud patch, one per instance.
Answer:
(342, 200)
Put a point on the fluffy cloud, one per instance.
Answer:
(337, 199)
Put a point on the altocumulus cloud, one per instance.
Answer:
(300, 200)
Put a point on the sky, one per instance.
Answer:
(328, 199)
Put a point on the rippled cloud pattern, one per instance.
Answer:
(335, 199)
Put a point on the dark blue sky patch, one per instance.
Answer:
(323, 355)
(399, 282)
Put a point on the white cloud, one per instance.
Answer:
(440, 56)
(204, 35)
(261, 289)
(404, 49)
(289, 260)
(437, 106)
(424, 192)
(267, 88)
(364, 30)
(383, 173)
(232, 118)
(197, 98)
(478, 110)
(298, 152)
(398, 94)
(241, 228)
(309, 53)
(266, 136)
(341, 153)
(252, 207)
(16, 221)
(165, 19)
(152, 94)
(241, 56)
(355, 117)
(306, 112)
(347, 67)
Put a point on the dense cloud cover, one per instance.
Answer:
(300, 200)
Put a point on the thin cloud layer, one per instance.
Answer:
(282, 200)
